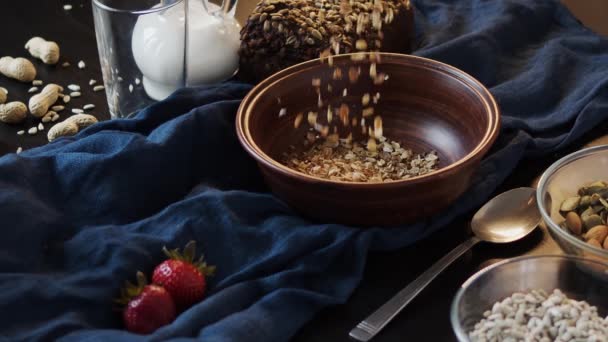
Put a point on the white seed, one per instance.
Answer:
(21, 132)
(55, 117)
(92, 82)
(57, 108)
(32, 131)
(46, 118)
(65, 64)
(74, 87)
(19, 149)
(67, 7)
(137, 81)
(77, 111)
(344, 92)
(81, 65)
(98, 88)
(88, 106)
(130, 88)
(40, 127)
(36, 82)
(120, 79)
(282, 112)
(32, 90)
(66, 98)
(75, 94)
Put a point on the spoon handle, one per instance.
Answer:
(372, 325)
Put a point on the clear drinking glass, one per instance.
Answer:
(150, 48)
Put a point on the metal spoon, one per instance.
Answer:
(506, 218)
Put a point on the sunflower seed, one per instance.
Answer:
(40, 127)
(75, 94)
(81, 65)
(77, 111)
(92, 82)
(65, 64)
(32, 131)
(66, 98)
(32, 90)
(88, 106)
(67, 7)
(98, 88)
(37, 83)
(21, 132)
(57, 108)
(19, 150)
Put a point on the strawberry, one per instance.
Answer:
(147, 307)
(182, 277)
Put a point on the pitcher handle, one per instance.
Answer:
(228, 7)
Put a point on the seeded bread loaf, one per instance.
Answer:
(281, 33)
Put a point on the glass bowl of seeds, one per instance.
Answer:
(534, 298)
(368, 139)
(572, 196)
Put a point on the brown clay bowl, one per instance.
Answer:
(425, 105)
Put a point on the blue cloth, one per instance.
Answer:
(82, 214)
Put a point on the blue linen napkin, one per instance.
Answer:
(81, 215)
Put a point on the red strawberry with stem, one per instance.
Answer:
(184, 278)
(147, 307)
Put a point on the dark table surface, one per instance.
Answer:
(426, 318)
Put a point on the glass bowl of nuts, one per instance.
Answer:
(534, 298)
(572, 196)
(368, 139)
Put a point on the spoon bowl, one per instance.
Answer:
(507, 217)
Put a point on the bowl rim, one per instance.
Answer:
(542, 183)
(491, 133)
(462, 335)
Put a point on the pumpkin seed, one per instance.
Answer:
(570, 204)
(592, 221)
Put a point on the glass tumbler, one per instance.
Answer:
(150, 48)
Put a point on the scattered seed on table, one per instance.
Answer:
(92, 82)
(32, 131)
(36, 82)
(32, 90)
(66, 98)
(47, 118)
(98, 88)
(130, 88)
(58, 108)
(19, 149)
(55, 117)
(120, 79)
(77, 111)
(65, 64)
(344, 92)
(74, 87)
(81, 65)
(137, 81)
(40, 127)
(75, 94)
(67, 7)
(88, 106)
(21, 132)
